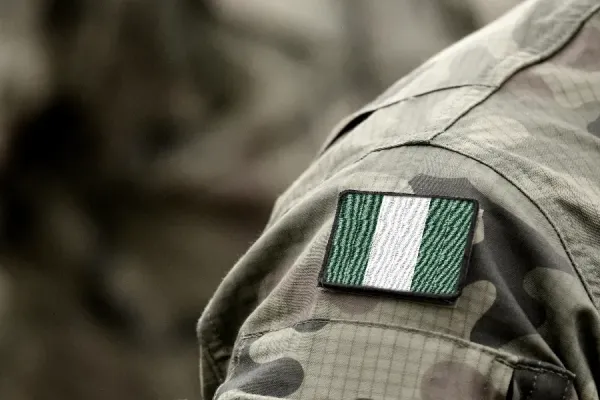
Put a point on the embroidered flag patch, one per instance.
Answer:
(400, 244)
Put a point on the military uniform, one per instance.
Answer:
(510, 118)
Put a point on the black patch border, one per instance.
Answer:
(447, 299)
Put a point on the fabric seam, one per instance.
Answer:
(207, 350)
(533, 386)
(540, 57)
(235, 359)
(213, 366)
(462, 343)
(567, 384)
(499, 173)
(369, 109)
(537, 370)
(532, 201)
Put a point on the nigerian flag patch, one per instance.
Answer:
(400, 244)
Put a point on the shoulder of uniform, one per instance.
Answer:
(475, 67)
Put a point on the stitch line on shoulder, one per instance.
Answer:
(541, 210)
(393, 100)
(561, 43)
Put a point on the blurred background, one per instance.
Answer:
(142, 145)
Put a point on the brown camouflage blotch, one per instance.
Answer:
(453, 380)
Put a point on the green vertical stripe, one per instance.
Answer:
(442, 247)
(352, 238)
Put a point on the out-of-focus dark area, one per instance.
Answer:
(142, 144)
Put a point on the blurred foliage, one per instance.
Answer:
(143, 143)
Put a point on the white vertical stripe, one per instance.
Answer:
(396, 241)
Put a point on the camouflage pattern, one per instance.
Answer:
(509, 116)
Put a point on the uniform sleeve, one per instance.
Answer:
(272, 332)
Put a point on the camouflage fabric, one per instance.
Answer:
(510, 116)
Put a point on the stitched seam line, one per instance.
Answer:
(376, 106)
(535, 204)
(213, 333)
(508, 180)
(533, 387)
(567, 382)
(486, 385)
(541, 57)
(568, 375)
(235, 359)
(213, 366)
(465, 344)
(564, 41)
(206, 349)
(541, 210)
(459, 341)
